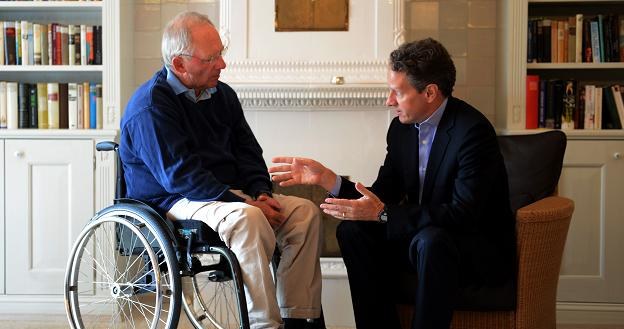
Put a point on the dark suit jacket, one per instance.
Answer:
(465, 188)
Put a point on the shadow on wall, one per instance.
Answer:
(316, 194)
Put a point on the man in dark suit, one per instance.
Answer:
(439, 206)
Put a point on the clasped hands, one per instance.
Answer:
(270, 208)
(302, 171)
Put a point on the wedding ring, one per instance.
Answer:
(344, 215)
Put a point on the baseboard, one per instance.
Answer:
(590, 313)
(25, 304)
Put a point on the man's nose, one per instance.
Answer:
(391, 101)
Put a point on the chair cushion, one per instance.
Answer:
(533, 165)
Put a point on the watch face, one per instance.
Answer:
(383, 217)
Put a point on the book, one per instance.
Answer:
(10, 51)
(80, 105)
(64, 45)
(71, 44)
(616, 91)
(92, 106)
(562, 47)
(569, 104)
(598, 107)
(72, 105)
(2, 62)
(621, 37)
(97, 44)
(84, 57)
(579, 39)
(595, 41)
(3, 104)
(12, 116)
(53, 105)
(24, 43)
(42, 105)
(579, 115)
(532, 99)
(610, 116)
(23, 98)
(33, 113)
(541, 110)
(590, 114)
(63, 106)
(571, 40)
(86, 102)
(89, 40)
(18, 42)
(554, 41)
(587, 43)
(77, 45)
(44, 44)
(557, 108)
(37, 44)
(99, 106)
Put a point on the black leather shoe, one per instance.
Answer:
(290, 323)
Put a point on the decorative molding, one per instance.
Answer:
(264, 71)
(333, 268)
(312, 97)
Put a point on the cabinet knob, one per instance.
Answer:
(19, 154)
(617, 155)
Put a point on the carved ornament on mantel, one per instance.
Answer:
(312, 97)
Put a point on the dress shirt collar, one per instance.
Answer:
(434, 119)
(179, 88)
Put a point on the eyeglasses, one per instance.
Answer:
(210, 59)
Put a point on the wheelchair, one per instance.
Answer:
(130, 268)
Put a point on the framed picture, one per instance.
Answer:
(311, 15)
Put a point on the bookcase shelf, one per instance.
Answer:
(21, 6)
(575, 66)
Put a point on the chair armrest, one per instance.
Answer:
(545, 210)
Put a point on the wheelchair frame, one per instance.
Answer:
(128, 263)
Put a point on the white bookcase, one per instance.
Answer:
(53, 180)
(591, 285)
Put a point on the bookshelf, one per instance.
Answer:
(591, 284)
(53, 179)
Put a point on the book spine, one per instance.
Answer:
(23, 95)
(18, 42)
(92, 106)
(24, 43)
(571, 40)
(86, 102)
(90, 53)
(3, 104)
(12, 107)
(10, 52)
(98, 45)
(72, 99)
(621, 37)
(33, 109)
(80, 105)
(595, 41)
(42, 105)
(99, 106)
(64, 45)
(71, 45)
(44, 44)
(53, 105)
(83, 45)
(543, 94)
(37, 44)
(63, 107)
(77, 45)
(590, 114)
(2, 60)
(579, 39)
(569, 104)
(532, 99)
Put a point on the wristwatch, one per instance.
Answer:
(383, 215)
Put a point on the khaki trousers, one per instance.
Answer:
(246, 231)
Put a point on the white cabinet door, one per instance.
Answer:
(2, 244)
(593, 176)
(49, 197)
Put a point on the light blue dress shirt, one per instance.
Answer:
(426, 133)
(179, 88)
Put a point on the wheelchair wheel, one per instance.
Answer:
(215, 298)
(123, 273)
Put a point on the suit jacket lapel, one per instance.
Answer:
(411, 169)
(438, 149)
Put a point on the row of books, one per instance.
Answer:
(50, 105)
(578, 39)
(569, 104)
(28, 43)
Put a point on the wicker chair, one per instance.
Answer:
(542, 223)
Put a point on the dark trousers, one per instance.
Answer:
(372, 263)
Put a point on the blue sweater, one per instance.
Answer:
(173, 148)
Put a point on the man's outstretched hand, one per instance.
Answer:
(297, 171)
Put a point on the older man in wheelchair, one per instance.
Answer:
(189, 155)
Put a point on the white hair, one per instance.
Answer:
(176, 38)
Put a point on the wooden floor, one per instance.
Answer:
(25, 321)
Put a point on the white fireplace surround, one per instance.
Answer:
(294, 70)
